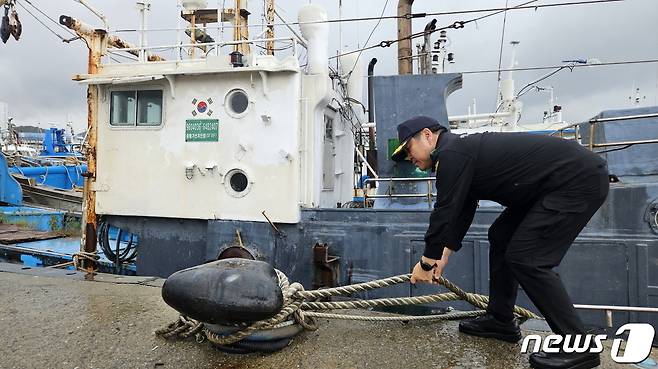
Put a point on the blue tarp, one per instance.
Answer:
(636, 160)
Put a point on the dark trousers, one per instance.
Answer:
(526, 243)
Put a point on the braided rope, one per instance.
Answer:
(383, 302)
(183, 327)
(401, 318)
(476, 300)
(359, 287)
(295, 308)
(91, 256)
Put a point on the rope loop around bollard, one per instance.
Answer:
(300, 307)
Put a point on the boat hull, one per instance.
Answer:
(613, 262)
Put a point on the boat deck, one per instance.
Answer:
(57, 319)
(12, 234)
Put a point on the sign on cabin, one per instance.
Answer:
(202, 130)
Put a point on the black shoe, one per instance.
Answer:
(490, 327)
(561, 360)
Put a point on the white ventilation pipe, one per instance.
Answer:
(317, 35)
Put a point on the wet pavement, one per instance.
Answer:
(56, 319)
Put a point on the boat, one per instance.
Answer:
(229, 152)
(42, 199)
(54, 177)
(68, 200)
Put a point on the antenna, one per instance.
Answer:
(506, 89)
(340, 26)
(513, 60)
(143, 6)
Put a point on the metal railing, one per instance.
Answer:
(594, 121)
(209, 46)
(390, 195)
(608, 309)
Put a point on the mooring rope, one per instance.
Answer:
(298, 305)
(403, 318)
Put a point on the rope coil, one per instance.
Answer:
(299, 307)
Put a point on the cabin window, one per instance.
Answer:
(122, 111)
(237, 103)
(136, 108)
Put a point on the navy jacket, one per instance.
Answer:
(512, 169)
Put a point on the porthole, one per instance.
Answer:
(237, 183)
(237, 103)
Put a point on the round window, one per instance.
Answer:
(237, 183)
(237, 102)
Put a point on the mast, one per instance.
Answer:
(241, 29)
(97, 43)
(405, 63)
(269, 16)
(340, 26)
(143, 6)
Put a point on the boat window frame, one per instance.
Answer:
(229, 187)
(229, 108)
(136, 126)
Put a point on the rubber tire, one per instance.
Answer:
(231, 349)
(264, 346)
(248, 347)
(259, 336)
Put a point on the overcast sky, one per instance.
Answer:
(35, 73)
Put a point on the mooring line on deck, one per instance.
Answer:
(299, 307)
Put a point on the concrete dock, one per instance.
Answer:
(57, 319)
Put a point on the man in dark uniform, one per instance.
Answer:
(550, 188)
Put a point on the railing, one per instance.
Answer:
(592, 122)
(591, 145)
(210, 46)
(610, 308)
(390, 195)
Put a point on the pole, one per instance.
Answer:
(237, 24)
(193, 34)
(270, 28)
(405, 63)
(143, 6)
(88, 242)
(371, 103)
(340, 26)
(371, 117)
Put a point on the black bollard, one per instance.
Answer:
(227, 291)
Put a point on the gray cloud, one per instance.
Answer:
(35, 73)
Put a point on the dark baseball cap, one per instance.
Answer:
(408, 128)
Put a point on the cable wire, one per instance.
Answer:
(623, 62)
(502, 40)
(42, 23)
(455, 25)
(367, 40)
(531, 84)
(51, 19)
(414, 15)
